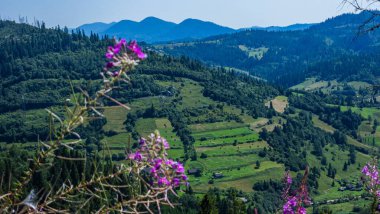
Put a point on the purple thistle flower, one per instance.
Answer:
(169, 162)
(131, 156)
(289, 179)
(166, 144)
(157, 163)
(137, 50)
(371, 171)
(135, 156)
(116, 50)
(109, 65)
(142, 141)
(302, 210)
(288, 207)
(163, 171)
(184, 177)
(175, 182)
(163, 181)
(109, 55)
(180, 168)
(115, 74)
(121, 43)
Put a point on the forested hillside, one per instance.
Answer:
(331, 50)
(235, 134)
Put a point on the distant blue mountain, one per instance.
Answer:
(196, 29)
(153, 30)
(294, 27)
(96, 27)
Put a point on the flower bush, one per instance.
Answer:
(371, 179)
(295, 202)
(142, 184)
(151, 155)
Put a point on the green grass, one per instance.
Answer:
(364, 112)
(228, 162)
(164, 126)
(176, 154)
(282, 98)
(365, 131)
(312, 84)
(320, 124)
(116, 116)
(192, 95)
(245, 148)
(336, 156)
(145, 126)
(229, 140)
(359, 85)
(257, 53)
(119, 141)
(346, 207)
(204, 127)
(324, 126)
(242, 178)
(304, 84)
(223, 133)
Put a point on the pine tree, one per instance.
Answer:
(257, 164)
(208, 204)
(345, 167)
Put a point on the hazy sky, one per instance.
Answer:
(232, 13)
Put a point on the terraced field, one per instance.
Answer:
(231, 149)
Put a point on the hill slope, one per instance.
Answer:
(215, 119)
(329, 50)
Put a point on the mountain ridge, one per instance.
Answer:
(153, 30)
(289, 57)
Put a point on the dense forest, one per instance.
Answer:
(37, 74)
(329, 50)
(41, 68)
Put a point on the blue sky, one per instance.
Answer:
(232, 13)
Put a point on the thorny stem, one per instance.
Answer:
(41, 156)
(75, 120)
(75, 117)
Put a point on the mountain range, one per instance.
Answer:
(232, 130)
(331, 50)
(153, 30)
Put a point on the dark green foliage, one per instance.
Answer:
(347, 122)
(208, 204)
(36, 65)
(289, 141)
(327, 51)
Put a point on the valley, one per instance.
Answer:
(237, 131)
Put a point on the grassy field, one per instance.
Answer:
(364, 112)
(336, 156)
(205, 127)
(324, 126)
(116, 116)
(346, 207)
(242, 177)
(279, 103)
(231, 147)
(312, 84)
(228, 141)
(222, 133)
(257, 53)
